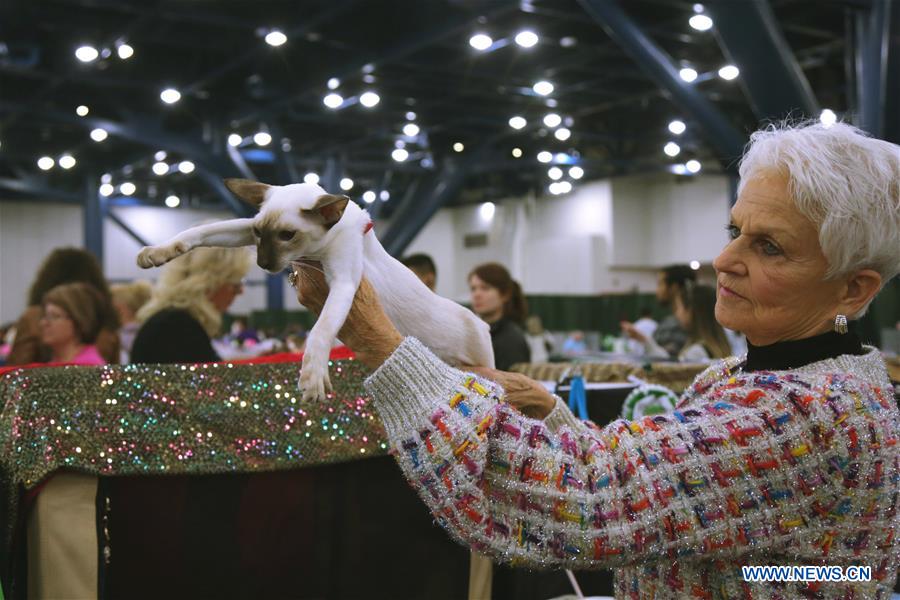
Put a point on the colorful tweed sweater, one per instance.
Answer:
(793, 467)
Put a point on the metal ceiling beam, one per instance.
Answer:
(441, 191)
(39, 190)
(872, 33)
(126, 228)
(92, 218)
(751, 38)
(722, 135)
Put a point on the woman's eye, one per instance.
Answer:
(285, 235)
(769, 248)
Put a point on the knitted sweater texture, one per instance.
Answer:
(796, 467)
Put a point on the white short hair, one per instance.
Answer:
(845, 182)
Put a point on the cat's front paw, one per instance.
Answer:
(314, 380)
(156, 256)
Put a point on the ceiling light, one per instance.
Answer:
(562, 134)
(687, 74)
(544, 88)
(399, 154)
(458, 147)
(275, 38)
(235, 140)
(679, 169)
(695, 265)
(692, 165)
(700, 22)
(186, 167)
(45, 163)
(544, 156)
(127, 188)
(677, 127)
(555, 173)
(346, 184)
(410, 116)
(99, 134)
(369, 197)
(517, 122)
(828, 118)
(160, 168)
(82, 111)
(86, 54)
(399, 144)
(729, 72)
(487, 211)
(410, 129)
(311, 177)
(170, 95)
(369, 99)
(105, 178)
(172, 201)
(576, 172)
(125, 51)
(517, 152)
(672, 149)
(333, 100)
(481, 41)
(564, 187)
(262, 138)
(526, 38)
(160, 155)
(384, 195)
(67, 161)
(106, 189)
(552, 120)
(568, 41)
(554, 188)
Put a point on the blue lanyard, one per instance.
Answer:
(578, 398)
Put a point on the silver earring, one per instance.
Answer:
(840, 324)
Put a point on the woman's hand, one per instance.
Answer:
(367, 330)
(526, 395)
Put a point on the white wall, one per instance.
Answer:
(606, 236)
(30, 230)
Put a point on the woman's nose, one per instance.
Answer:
(729, 260)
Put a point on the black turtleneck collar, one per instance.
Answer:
(797, 353)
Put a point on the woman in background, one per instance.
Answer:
(63, 265)
(72, 317)
(498, 300)
(695, 308)
(185, 311)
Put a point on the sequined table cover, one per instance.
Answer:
(180, 419)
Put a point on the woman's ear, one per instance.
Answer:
(861, 287)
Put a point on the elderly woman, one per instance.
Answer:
(788, 456)
(185, 311)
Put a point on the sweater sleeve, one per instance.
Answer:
(717, 481)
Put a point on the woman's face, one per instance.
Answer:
(57, 328)
(224, 295)
(770, 276)
(486, 299)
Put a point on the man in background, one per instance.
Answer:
(669, 282)
(423, 267)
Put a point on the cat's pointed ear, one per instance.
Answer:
(330, 207)
(251, 192)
